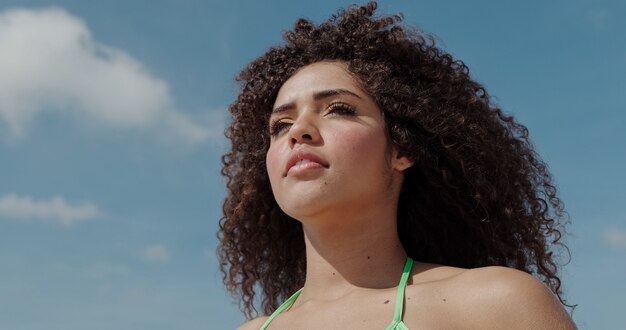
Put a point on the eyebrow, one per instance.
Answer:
(317, 96)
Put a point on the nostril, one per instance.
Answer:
(301, 138)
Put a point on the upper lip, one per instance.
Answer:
(302, 154)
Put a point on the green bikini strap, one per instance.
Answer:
(397, 315)
(281, 308)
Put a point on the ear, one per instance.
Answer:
(400, 162)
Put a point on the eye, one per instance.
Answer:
(341, 109)
(278, 126)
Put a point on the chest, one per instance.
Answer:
(374, 312)
(335, 316)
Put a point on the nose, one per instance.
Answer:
(304, 131)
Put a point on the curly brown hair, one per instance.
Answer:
(477, 195)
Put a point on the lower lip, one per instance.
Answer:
(304, 168)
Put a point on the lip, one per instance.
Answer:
(316, 161)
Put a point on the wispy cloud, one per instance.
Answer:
(615, 238)
(55, 209)
(156, 253)
(218, 118)
(49, 62)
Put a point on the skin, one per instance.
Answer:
(347, 204)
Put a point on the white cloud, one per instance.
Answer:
(156, 253)
(615, 238)
(49, 62)
(56, 209)
(218, 118)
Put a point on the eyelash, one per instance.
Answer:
(338, 108)
(277, 126)
(341, 109)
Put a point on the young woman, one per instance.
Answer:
(372, 184)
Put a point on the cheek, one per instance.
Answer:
(361, 145)
(272, 163)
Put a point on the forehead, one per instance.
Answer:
(318, 77)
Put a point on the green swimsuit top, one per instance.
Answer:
(396, 324)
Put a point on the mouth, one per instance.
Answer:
(301, 162)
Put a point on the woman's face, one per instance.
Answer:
(329, 152)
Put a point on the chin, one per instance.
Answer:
(300, 212)
(304, 208)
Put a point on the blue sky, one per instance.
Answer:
(111, 120)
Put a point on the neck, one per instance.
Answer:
(364, 252)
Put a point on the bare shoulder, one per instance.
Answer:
(501, 297)
(254, 324)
